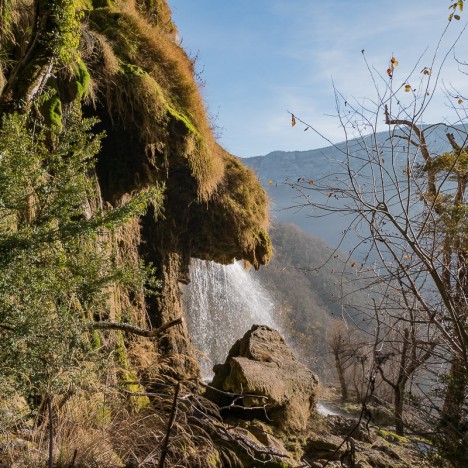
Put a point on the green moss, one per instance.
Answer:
(79, 87)
(182, 118)
(138, 402)
(64, 39)
(392, 437)
(120, 352)
(128, 69)
(422, 440)
(128, 377)
(213, 459)
(104, 19)
(97, 342)
(103, 413)
(51, 110)
(84, 5)
(277, 464)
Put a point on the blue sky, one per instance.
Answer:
(261, 58)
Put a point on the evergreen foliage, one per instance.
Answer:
(55, 265)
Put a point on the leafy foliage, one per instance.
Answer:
(55, 267)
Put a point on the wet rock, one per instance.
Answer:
(262, 366)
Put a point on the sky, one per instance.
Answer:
(259, 59)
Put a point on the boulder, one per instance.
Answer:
(262, 366)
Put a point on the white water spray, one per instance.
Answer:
(222, 303)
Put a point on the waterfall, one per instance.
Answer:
(222, 303)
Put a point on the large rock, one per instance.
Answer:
(262, 364)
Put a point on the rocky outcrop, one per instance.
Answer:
(261, 367)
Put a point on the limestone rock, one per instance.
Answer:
(263, 366)
(349, 427)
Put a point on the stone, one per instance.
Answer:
(342, 426)
(262, 366)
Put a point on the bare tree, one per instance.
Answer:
(338, 340)
(402, 345)
(408, 221)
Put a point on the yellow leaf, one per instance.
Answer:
(460, 5)
(457, 17)
(460, 101)
(293, 120)
(270, 181)
(407, 88)
(394, 61)
(389, 72)
(311, 182)
(406, 257)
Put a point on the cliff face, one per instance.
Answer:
(151, 108)
(120, 61)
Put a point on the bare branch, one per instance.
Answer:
(126, 327)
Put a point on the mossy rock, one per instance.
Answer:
(392, 437)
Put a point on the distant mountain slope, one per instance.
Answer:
(309, 296)
(283, 168)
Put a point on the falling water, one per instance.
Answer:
(222, 303)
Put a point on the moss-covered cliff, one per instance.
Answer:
(121, 62)
(116, 238)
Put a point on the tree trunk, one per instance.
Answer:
(398, 410)
(452, 410)
(341, 377)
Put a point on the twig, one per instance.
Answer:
(133, 329)
(51, 433)
(144, 394)
(364, 412)
(169, 427)
(234, 395)
(238, 396)
(72, 464)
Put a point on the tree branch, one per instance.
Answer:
(169, 427)
(133, 329)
